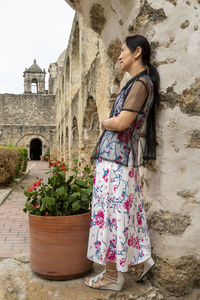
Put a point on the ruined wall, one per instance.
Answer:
(171, 185)
(25, 117)
(82, 82)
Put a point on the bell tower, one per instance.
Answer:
(34, 79)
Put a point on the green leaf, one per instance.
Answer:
(87, 169)
(74, 187)
(70, 199)
(90, 181)
(76, 205)
(47, 202)
(84, 197)
(27, 194)
(76, 195)
(29, 206)
(47, 188)
(80, 183)
(61, 193)
(37, 213)
(88, 191)
(62, 174)
(85, 205)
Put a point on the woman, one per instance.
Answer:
(119, 235)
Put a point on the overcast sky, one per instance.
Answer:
(31, 29)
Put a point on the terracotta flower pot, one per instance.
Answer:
(58, 246)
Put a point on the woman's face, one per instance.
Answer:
(126, 58)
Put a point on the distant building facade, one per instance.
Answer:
(28, 119)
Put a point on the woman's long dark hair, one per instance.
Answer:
(132, 42)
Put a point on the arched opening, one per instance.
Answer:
(75, 74)
(75, 139)
(34, 86)
(67, 146)
(75, 42)
(90, 129)
(62, 145)
(67, 69)
(63, 81)
(35, 149)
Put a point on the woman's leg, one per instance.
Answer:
(139, 270)
(109, 277)
(143, 268)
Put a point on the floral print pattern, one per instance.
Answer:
(118, 145)
(118, 229)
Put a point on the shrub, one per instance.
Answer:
(13, 162)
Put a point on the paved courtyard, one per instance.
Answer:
(14, 237)
(16, 277)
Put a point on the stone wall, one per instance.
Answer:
(27, 109)
(171, 185)
(83, 84)
(26, 117)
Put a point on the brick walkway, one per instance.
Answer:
(14, 237)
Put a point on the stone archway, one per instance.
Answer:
(75, 139)
(75, 64)
(66, 153)
(35, 149)
(90, 129)
(34, 86)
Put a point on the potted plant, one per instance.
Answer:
(47, 155)
(59, 221)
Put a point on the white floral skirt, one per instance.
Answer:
(118, 230)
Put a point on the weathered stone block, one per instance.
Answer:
(188, 101)
(176, 276)
(167, 222)
(97, 18)
(114, 50)
(194, 141)
(185, 24)
(146, 15)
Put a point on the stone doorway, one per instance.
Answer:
(35, 149)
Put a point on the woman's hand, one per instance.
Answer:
(119, 123)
